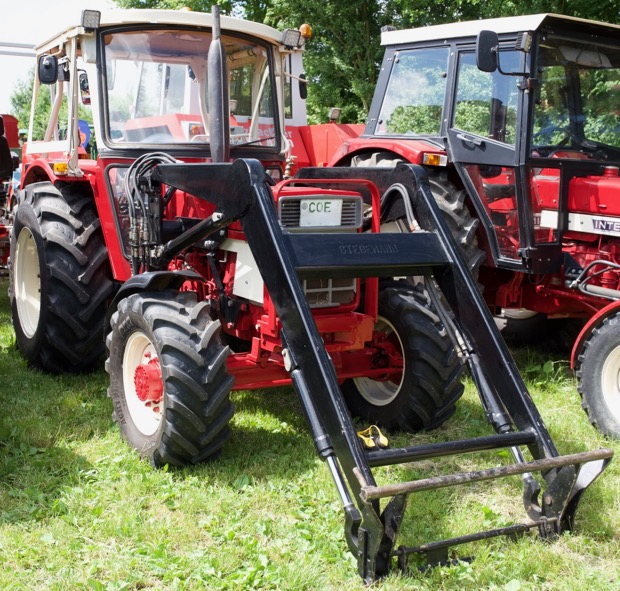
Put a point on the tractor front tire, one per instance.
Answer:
(424, 394)
(60, 278)
(168, 378)
(598, 377)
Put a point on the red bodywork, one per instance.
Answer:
(593, 233)
(4, 245)
(321, 145)
(347, 330)
(11, 131)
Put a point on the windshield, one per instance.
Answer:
(577, 109)
(157, 88)
(415, 93)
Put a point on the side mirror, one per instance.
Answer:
(48, 69)
(303, 86)
(487, 45)
(84, 88)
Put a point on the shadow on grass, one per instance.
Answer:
(270, 439)
(43, 414)
(32, 479)
(42, 417)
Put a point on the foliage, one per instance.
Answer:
(422, 119)
(344, 56)
(21, 101)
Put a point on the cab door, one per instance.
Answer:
(484, 142)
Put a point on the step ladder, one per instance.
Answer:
(241, 192)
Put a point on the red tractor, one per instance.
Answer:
(517, 121)
(9, 162)
(174, 233)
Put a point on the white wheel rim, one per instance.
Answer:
(146, 416)
(376, 392)
(518, 314)
(27, 282)
(610, 381)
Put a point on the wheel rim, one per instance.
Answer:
(518, 313)
(383, 392)
(610, 381)
(139, 354)
(27, 283)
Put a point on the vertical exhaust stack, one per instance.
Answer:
(219, 123)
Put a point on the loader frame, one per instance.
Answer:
(285, 259)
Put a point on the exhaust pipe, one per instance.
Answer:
(219, 121)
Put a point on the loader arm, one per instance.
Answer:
(285, 259)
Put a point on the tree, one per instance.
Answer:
(21, 101)
(343, 58)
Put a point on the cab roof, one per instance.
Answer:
(148, 17)
(511, 24)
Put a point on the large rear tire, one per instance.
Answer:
(598, 376)
(462, 225)
(168, 378)
(423, 394)
(451, 202)
(60, 278)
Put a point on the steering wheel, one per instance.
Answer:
(568, 136)
(545, 135)
(583, 145)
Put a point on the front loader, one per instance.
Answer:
(286, 259)
(208, 272)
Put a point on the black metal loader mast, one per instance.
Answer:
(240, 192)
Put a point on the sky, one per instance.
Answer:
(32, 22)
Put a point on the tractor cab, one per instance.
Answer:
(550, 109)
(141, 81)
(524, 109)
(517, 122)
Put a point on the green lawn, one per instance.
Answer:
(79, 509)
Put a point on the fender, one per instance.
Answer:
(410, 150)
(592, 323)
(36, 171)
(150, 281)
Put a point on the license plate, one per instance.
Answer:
(320, 212)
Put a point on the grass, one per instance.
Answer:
(80, 511)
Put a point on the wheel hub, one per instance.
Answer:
(610, 381)
(381, 391)
(27, 283)
(143, 383)
(148, 381)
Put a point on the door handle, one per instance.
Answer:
(470, 139)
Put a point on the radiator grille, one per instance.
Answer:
(350, 215)
(323, 293)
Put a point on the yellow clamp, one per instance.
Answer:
(372, 438)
